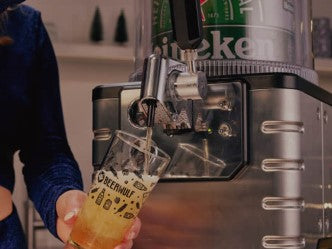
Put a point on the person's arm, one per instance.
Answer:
(51, 173)
(50, 168)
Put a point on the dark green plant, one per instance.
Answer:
(121, 35)
(96, 32)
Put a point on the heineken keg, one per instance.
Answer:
(240, 36)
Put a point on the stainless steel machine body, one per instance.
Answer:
(259, 114)
(279, 197)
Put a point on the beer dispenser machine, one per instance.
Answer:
(245, 94)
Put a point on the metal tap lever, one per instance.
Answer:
(188, 32)
(187, 23)
(174, 91)
(187, 29)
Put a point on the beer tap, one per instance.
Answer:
(166, 88)
(187, 29)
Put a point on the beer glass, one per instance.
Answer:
(191, 161)
(129, 172)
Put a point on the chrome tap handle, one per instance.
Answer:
(153, 84)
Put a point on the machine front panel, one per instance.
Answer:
(277, 201)
(231, 148)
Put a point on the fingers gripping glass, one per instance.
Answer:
(128, 174)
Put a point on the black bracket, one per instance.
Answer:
(324, 243)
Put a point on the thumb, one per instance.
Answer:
(69, 202)
(68, 246)
(67, 207)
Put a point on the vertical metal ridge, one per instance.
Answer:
(323, 163)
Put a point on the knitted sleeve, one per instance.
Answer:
(49, 166)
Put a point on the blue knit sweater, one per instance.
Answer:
(32, 119)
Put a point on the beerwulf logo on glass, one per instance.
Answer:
(101, 176)
(202, 3)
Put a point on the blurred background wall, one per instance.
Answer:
(69, 21)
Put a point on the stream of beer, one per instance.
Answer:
(148, 147)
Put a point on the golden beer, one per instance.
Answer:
(113, 202)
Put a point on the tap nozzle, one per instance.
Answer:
(153, 85)
(189, 56)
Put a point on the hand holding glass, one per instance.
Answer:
(129, 172)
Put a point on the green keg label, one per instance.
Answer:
(234, 29)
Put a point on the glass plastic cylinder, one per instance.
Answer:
(240, 36)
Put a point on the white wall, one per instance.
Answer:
(322, 8)
(78, 78)
(70, 20)
(325, 80)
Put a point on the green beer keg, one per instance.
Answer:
(245, 36)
